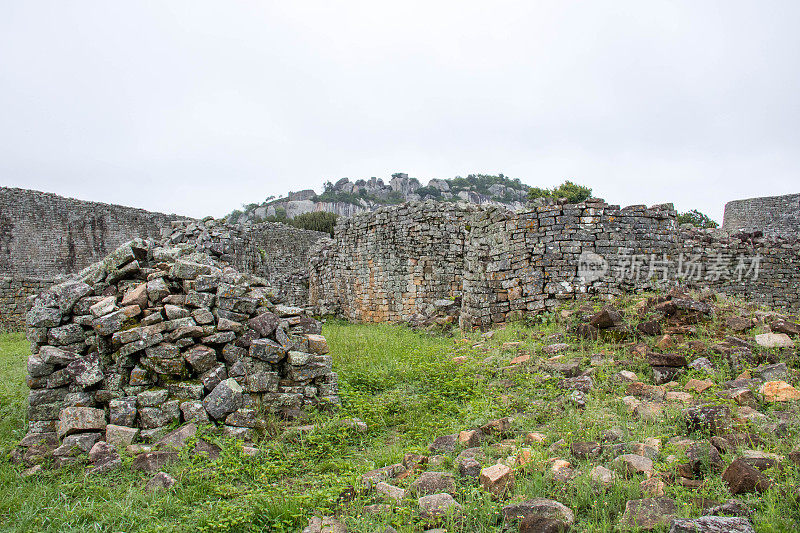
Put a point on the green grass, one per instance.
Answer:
(407, 388)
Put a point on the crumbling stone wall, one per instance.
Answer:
(15, 294)
(764, 269)
(285, 253)
(772, 215)
(44, 236)
(392, 263)
(504, 264)
(324, 283)
(277, 252)
(153, 336)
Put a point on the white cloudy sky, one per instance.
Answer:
(197, 107)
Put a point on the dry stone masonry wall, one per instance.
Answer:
(153, 336)
(772, 215)
(393, 263)
(399, 262)
(763, 269)
(527, 261)
(15, 294)
(277, 252)
(44, 236)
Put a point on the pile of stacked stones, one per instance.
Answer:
(151, 337)
(439, 314)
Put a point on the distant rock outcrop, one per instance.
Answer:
(346, 198)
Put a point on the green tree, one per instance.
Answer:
(279, 216)
(429, 192)
(697, 219)
(317, 221)
(233, 216)
(573, 192)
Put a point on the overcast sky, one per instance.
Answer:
(197, 107)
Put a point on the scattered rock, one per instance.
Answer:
(432, 483)
(380, 474)
(540, 508)
(761, 460)
(649, 327)
(470, 437)
(176, 439)
(742, 478)
(666, 359)
(437, 506)
(606, 318)
(630, 463)
(585, 450)
(779, 391)
(738, 324)
(774, 372)
(555, 348)
(444, 443)
(497, 479)
(715, 419)
(581, 383)
(774, 340)
(326, 524)
(153, 461)
(160, 481)
(120, 436)
(648, 513)
(784, 326)
(500, 426)
(104, 457)
(653, 487)
(712, 524)
(537, 524)
(390, 491)
(698, 385)
(602, 476)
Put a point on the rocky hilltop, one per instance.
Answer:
(346, 198)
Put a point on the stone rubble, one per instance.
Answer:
(155, 336)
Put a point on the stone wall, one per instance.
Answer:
(527, 261)
(15, 294)
(392, 263)
(397, 262)
(44, 236)
(277, 252)
(773, 215)
(764, 270)
(285, 254)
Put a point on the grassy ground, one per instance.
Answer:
(407, 388)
